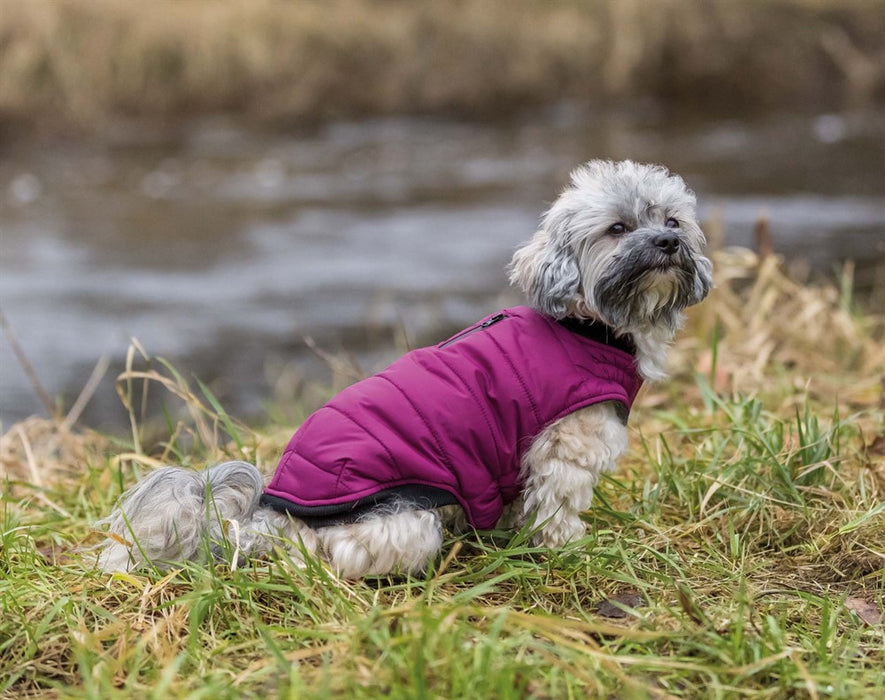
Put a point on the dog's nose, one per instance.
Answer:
(667, 242)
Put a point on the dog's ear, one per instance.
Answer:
(547, 271)
(703, 282)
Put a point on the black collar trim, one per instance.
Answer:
(601, 333)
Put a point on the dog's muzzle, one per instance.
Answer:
(658, 251)
(619, 292)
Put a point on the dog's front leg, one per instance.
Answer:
(562, 468)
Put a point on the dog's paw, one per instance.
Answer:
(559, 531)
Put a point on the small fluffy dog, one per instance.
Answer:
(510, 421)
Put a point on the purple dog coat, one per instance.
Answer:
(450, 423)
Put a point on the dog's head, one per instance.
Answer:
(621, 244)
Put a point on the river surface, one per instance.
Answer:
(221, 248)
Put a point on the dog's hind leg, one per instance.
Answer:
(269, 528)
(402, 542)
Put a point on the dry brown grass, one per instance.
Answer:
(767, 323)
(88, 62)
(45, 454)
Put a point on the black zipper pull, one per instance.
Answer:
(481, 326)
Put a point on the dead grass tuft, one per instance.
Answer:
(759, 324)
(45, 453)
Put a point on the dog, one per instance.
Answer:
(510, 422)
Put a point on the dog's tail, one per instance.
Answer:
(176, 515)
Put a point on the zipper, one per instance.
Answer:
(470, 331)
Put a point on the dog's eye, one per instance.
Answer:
(617, 228)
(672, 223)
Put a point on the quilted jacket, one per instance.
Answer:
(450, 423)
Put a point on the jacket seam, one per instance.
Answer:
(519, 378)
(586, 403)
(481, 405)
(292, 448)
(624, 378)
(444, 455)
(367, 432)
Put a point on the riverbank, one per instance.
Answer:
(743, 532)
(88, 64)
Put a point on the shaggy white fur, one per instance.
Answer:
(620, 245)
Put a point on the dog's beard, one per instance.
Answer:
(643, 287)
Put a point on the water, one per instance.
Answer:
(221, 248)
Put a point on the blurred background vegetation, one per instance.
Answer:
(223, 178)
(80, 63)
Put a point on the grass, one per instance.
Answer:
(741, 546)
(88, 64)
